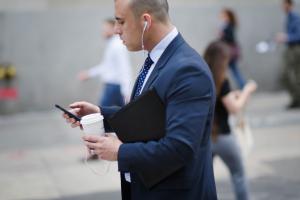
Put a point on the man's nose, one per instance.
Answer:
(117, 30)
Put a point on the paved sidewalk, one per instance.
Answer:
(41, 157)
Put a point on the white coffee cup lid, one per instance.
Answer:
(92, 118)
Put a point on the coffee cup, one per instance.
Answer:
(93, 124)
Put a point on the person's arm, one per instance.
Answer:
(96, 70)
(90, 73)
(100, 69)
(235, 101)
(189, 101)
(292, 34)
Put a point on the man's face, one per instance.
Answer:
(107, 30)
(286, 7)
(127, 26)
(223, 17)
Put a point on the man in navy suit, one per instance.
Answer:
(185, 85)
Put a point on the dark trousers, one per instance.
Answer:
(112, 96)
(291, 72)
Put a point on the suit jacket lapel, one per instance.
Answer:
(134, 88)
(163, 60)
(160, 63)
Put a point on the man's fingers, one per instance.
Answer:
(71, 120)
(92, 146)
(92, 138)
(74, 125)
(75, 111)
(78, 104)
(78, 123)
(65, 116)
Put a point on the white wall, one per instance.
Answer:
(50, 41)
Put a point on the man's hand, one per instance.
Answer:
(281, 38)
(83, 76)
(80, 109)
(106, 147)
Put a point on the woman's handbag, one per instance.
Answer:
(235, 51)
(243, 133)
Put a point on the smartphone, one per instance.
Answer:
(68, 113)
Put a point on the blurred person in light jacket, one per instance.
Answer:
(114, 70)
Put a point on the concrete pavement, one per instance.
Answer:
(41, 157)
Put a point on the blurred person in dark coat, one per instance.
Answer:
(291, 37)
(228, 35)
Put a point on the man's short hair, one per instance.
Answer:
(158, 8)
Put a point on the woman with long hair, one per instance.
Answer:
(217, 56)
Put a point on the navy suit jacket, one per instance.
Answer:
(183, 157)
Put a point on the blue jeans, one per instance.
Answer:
(227, 148)
(236, 73)
(112, 96)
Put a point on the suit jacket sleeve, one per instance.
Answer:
(188, 101)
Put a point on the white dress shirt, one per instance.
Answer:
(115, 67)
(155, 54)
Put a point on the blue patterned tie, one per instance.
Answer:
(142, 76)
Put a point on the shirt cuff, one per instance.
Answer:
(127, 177)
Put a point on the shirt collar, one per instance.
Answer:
(159, 49)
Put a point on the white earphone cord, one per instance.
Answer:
(93, 169)
(144, 29)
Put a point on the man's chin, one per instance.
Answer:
(129, 48)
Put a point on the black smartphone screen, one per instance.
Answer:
(68, 113)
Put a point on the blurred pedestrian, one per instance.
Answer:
(228, 35)
(291, 74)
(114, 70)
(217, 56)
